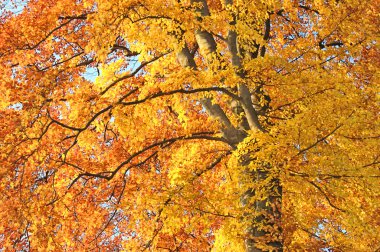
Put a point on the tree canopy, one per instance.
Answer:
(189, 125)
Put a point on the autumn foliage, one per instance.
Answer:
(189, 125)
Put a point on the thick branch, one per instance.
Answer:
(216, 111)
(249, 110)
(206, 43)
(233, 45)
(266, 36)
(185, 58)
(232, 135)
(205, 40)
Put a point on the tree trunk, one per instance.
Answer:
(269, 210)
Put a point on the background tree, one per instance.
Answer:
(181, 125)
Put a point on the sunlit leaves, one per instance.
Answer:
(105, 144)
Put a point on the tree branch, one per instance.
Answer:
(319, 140)
(205, 40)
(185, 58)
(132, 74)
(326, 196)
(108, 175)
(182, 91)
(248, 108)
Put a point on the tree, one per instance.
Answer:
(189, 125)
